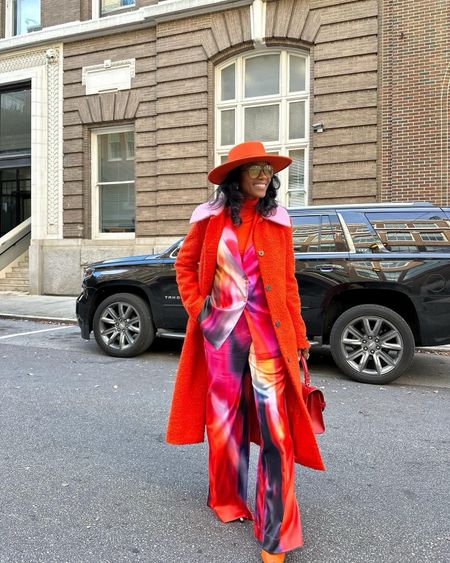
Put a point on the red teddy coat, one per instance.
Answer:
(195, 265)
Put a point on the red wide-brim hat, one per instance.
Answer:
(250, 151)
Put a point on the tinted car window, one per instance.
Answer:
(412, 231)
(364, 237)
(317, 233)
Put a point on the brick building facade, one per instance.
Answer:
(414, 102)
(143, 98)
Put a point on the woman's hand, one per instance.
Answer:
(303, 352)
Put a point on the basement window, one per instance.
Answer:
(108, 6)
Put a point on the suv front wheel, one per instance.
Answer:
(372, 344)
(123, 326)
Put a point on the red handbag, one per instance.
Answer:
(314, 400)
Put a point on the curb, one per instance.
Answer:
(37, 318)
(438, 351)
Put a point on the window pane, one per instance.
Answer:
(296, 199)
(15, 197)
(115, 157)
(297, 171)
(436, 237)
(305, 232)
(228, 83)
(316, 233)
(27, 15)
(297, 70)
(395, 225)
(262, 76)
(297, 120)
(399, 236)
(110, 5)
(15, 121)
(261, 123)
(364, 237)
(117, 208)
(429, 225)
(327, 243)
(114, 147)
(227, 127)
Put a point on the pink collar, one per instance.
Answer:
(281, 216)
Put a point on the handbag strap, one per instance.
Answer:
(305, 370)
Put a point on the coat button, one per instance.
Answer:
(288, 359)
(277, 323)
(261, 252)
(268, 287)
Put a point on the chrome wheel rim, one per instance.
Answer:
(372, 345)
(120, 325)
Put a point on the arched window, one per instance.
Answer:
(265, 96)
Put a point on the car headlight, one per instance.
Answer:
(87, 273)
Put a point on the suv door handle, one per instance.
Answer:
(327, 268)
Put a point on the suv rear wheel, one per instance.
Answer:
(372, 344)
(123, 326)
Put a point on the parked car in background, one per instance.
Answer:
(374, 282)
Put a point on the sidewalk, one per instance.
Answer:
(38, 307)
(52, 308)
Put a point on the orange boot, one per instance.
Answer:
(272, 557)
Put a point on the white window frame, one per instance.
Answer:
(9, 23)
(95, 199)
(284, 98)
(95, 10)
(9, 19)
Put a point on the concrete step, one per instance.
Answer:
(21, 290)
(11, 282)
(17, 276)
(14, 279)
(18, 273)
(14, 290)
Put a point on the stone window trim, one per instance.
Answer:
(103, 77)
(45, 75)
(283, 145)
(95, 200)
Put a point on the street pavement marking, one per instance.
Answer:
(34, 332)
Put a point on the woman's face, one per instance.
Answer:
(254, 179)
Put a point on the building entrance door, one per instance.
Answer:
(15, 155)
(15, 197)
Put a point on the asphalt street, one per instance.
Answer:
(87, 477)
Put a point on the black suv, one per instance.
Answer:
(374, 283)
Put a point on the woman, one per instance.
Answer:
(239, 372)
